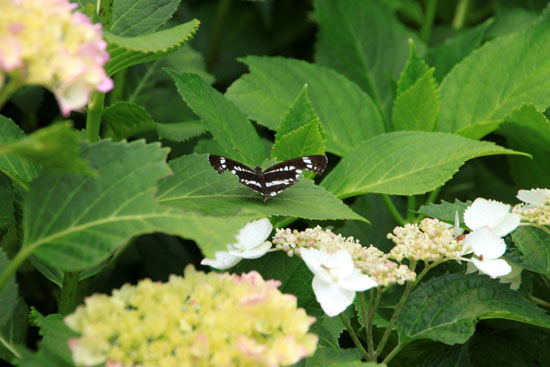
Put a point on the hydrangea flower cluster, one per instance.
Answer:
(369, 260)
(201, 320)
(431, 240)
(45, 43)
(535, 208)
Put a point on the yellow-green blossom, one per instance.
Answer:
(431, 240)
(46, 43)
(202, 320)
(369, 260)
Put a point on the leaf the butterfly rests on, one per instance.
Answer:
(274, 179)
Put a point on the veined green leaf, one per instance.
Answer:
(446, 211)
(533, 242)
(447, 308)
(72, 222)
(399, 164)
(364, 41)
(347, 114)
(125, 119)
(415, 68)
(180, 131)
(337, 357)
(13, 333)
(227, 124)
(8, 294)
(417, 107)
(197, 186)
(299, 114)
(528, 130)
(486, 86)
(7, 197)
(305, 140)
(128, 51)
(134, 17)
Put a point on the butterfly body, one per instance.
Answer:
(273, 180)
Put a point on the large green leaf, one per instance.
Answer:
(135, 17)
(196, 186)
(227, 124)
(445, 211)
(8, 294)
(72, 222)
(13, 333)
(299, 114)
(14, 166)
(337, 357)
(447, 308)
(486, 86)
(534, 246)
(128, 51)
(305, 140)
(364, 41)
(125, 119)
(399, 164)
(528, 130)
(180, 131)
(347, 114)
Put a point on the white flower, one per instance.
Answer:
(533, 197)
(492, 214)
(336, 279)
(487, 247)
(251, 244)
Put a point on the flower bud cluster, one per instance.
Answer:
(369, 260)
(45, 43)
(431, 240)
(201, 320)
(534, 214)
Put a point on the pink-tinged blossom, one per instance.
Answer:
(46, 43)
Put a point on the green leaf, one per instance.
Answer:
(7, 197)
(125, 119)
(364, 41)
(337, 357)
(196, 186)
(446, 309)
(128, 51)
(446, 55)
(415, 68)
(445, 211)
(13, 333)
(8, 294)
(306, 140)
(73, 222)
(417, 108)
(227, 124)
(399, 164)
(486, 86)
(299, 114)
(528, 130)
(135, 17)
(180, 131)
(347, 114)
(56, 147)
(291, 271)
(533, 242)
(14, 166)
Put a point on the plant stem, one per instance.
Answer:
(221, 15)
(14, 264)
(393, 210)
(93, 118)
(540, 302)
(69, 290)
(460, 14)
(354, 337)
(368, 334)
(284, 222)
(119, 80)
(411, 207)
(429, 17)
(393, 353)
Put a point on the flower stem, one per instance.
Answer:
(393, 210)
(217, 31)
(394, 352)
(540, 302)
(426, 29)
(93, 118)
(354, 337)
(411, 207)
(69, 290)
(460, 14)
(368, 329)
(284, 222)
(14, 264)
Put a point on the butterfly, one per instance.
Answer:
(273, 180)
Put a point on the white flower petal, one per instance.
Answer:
(340, 264)
(72, 97)
(486, 243)
(533, 196)
(357, 281)
(330, 267)
(514, 278)
(508, 224)
(493, 268)
(253, 234)
(223, 260)
(457, 230)
(484, 212)
(332, 298)
(252, 253)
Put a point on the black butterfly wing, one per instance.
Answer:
(245, 174)
(285, 174)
